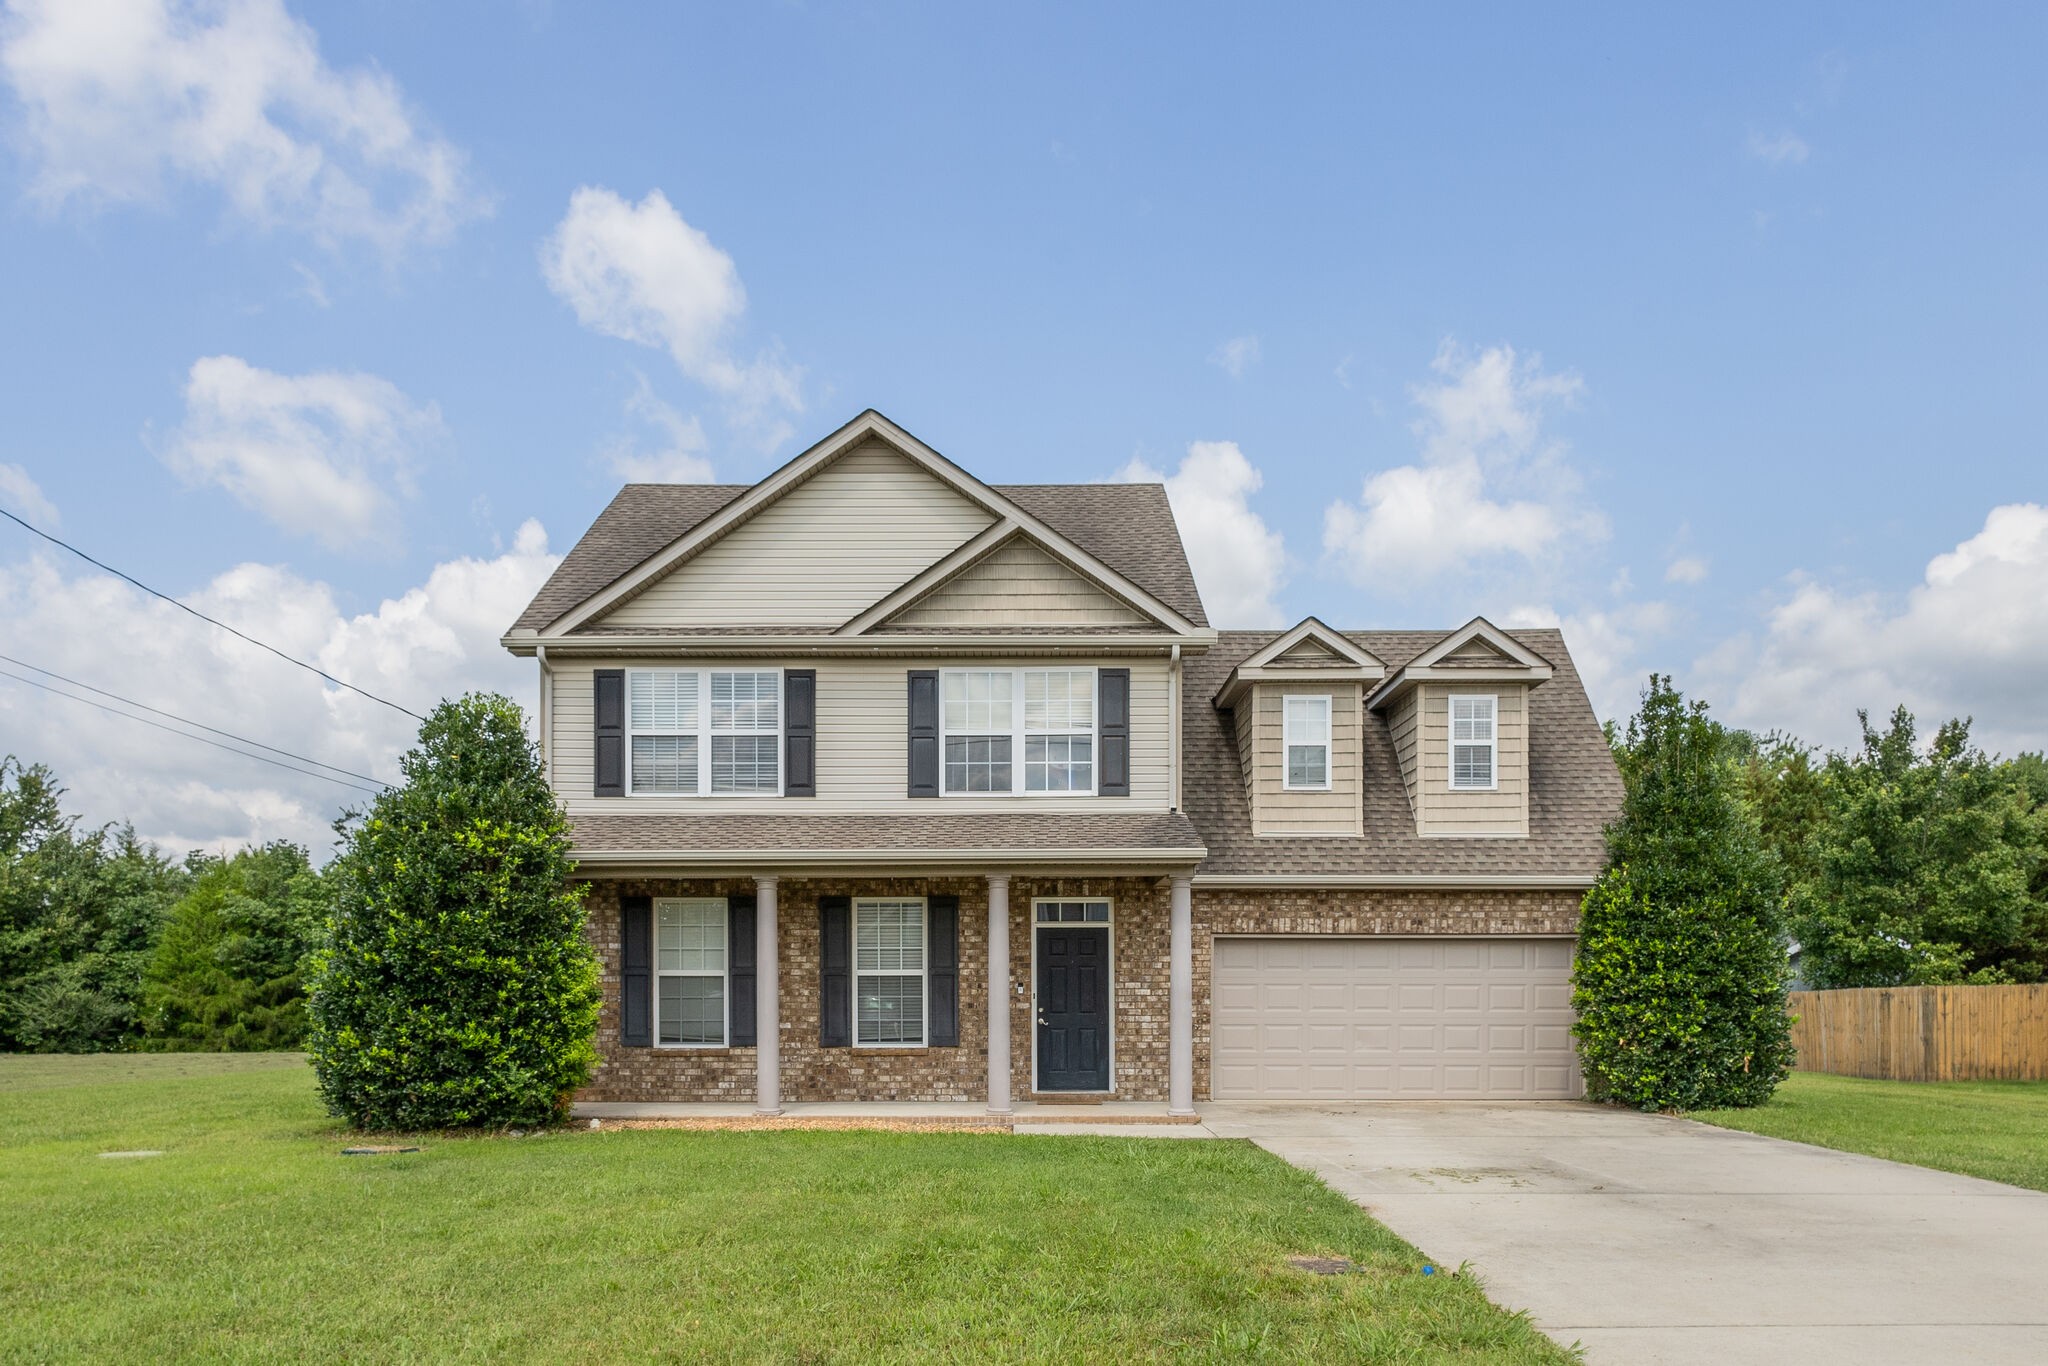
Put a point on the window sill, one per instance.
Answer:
(704, 1050)
(889, 1050)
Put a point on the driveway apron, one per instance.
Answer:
(1651, 1239)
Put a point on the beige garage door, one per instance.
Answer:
(1315, 1017)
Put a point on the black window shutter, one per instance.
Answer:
(835, 972)
(636, 971)
(608, 705)
(799, 732)
(942, 972)
(1113, 731)
(739, 971)
(924, 732)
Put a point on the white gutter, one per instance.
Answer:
(547, 713)
(1173, 722)
(787, 858)
(1155, 643)
(1476, 881)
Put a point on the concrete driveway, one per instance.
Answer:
(1660, 1240)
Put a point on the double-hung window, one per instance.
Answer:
(991, 717)
(689, 971)
(1305, 727)
(705, 732)
(1474, 743)
(889, 971)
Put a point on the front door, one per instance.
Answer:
(1073, 1008)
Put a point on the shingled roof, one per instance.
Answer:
(1574, 787)
(1129, 527)
(1156, 837)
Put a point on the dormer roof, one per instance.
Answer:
(1309, 653)
(1477, 652)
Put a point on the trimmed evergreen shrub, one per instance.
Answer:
(1681, 974)
(457, 987)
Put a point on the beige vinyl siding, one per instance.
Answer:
(1401, 725)
(1245, 715)
(1277, 809)
(862, 759)
(839, 542)
(1501, 812)
(1310, 654)
(1018, 584)
(1474, 654)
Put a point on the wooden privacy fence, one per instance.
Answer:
(1924, 1033)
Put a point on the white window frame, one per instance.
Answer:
(724, 973)
(705, 732)
(1492, 701)
(924, 970)
(1287, 741)
(1019, 735)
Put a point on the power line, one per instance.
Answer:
(261, 759)
(188, 721)
(66, 545)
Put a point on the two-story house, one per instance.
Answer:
(896, 785)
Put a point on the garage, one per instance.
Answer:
(1323, 1017)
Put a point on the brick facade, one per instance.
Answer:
(1139, 929)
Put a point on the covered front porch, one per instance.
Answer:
(1016, 995)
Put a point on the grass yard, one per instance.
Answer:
(1993, 1129)
(251, 1238)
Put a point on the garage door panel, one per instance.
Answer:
(1326, 1017)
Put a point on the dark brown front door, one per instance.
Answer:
(1073, 1009)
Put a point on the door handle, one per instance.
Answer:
(1043, 1021)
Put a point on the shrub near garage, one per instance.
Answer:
(1681, 973)
(456, 987)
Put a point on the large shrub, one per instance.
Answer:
(1681, 973)
(79, 913)
(456, 987)
(227, 973)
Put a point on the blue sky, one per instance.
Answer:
(1714, 337)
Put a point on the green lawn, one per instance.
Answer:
(253, 1239)
(1994, 1129)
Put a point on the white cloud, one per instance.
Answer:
(1239, 563)
(640, 273)
(1611, 648)
(1686, 569)
(21, 494)
(678, 454)
(119, 97)
(1781, 149)
(1482, 439)
(1971, 639)
(434, 640)
(1236, 356)
(313, 453)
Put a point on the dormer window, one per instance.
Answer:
(1306, 731)
(1474, 742)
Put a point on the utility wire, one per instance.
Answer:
(261, 759)
(188, 721)
(209, 620)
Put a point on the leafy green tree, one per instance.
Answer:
(226, 974)
(1928, 868)
(1681, 973)
(1784, 785)
(79, 914)
(457, 987)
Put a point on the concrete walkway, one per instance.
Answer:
(1664, 1241)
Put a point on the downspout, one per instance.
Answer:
(1173, 724)
(547, 713)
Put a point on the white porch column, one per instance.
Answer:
(767, 1002)
(1180, 999)
(998, 993)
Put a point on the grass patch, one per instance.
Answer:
(253, 1239)
(1991, 1129)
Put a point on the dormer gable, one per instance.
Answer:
(1310, 652)
(1297, 705)
(1476, 652)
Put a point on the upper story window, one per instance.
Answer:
(1305, 726)
(677, 717)
(1474, 743)
(991, 717)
